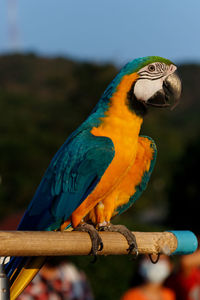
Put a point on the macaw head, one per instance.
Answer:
(157, 84)
(148, 81)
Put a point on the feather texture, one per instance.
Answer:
(99, 172)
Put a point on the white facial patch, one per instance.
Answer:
(151, 79)
(145, 88)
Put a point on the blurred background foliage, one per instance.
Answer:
(42, 100)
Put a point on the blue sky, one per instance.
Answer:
(106, 30)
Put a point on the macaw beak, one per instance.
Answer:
(169, 94)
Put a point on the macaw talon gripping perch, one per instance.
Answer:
(129, 236)
(97, 244)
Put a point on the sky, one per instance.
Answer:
(103, 30)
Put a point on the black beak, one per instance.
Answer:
(169, 94)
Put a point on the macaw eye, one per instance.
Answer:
(151, 68)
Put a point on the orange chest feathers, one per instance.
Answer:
(122, 126)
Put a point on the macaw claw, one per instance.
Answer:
(97, 244)
(129, 236)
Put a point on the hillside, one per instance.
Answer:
(43, 100)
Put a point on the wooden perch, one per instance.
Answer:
(41, 243)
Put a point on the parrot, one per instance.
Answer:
(104, 165)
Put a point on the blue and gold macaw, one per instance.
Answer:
(104, 166)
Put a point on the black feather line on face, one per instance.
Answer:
(138, 107)
(149, 77)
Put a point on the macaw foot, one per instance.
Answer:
(129, 236)
(97, 244)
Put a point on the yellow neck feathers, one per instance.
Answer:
(120, 123)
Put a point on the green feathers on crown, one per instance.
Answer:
(141, 62)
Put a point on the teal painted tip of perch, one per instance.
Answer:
(187, 242)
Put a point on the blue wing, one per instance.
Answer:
(72, 174)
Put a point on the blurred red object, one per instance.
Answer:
(11, 222)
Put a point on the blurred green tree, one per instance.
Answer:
(42, 100)
(184, 192)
